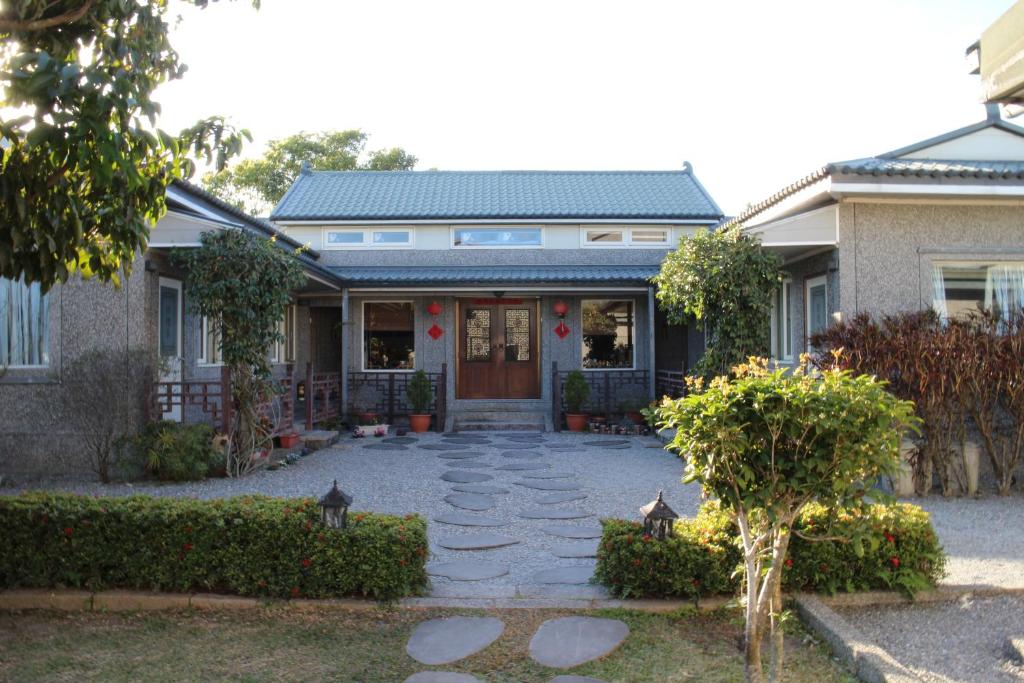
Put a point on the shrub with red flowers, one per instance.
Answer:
(245, 546)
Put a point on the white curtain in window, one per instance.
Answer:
(23, 324)
(1004, 288)
(939, 293)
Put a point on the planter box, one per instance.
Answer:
(370, 430)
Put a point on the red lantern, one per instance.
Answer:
(433, 308)
(560, 308)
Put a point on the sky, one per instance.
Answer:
(753, 94)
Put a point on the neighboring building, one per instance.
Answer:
(463, 275)
(42, 336)
(939, 223)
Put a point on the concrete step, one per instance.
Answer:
(499, 422)
(318, 439)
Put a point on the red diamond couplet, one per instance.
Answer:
(562, 331)
(435, 332)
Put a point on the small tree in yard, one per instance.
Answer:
(727, 281)
(242, 284)
(766, 444)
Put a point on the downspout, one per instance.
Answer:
(345, 350)
(651, 361)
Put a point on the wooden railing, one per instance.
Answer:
(385, 393)
(671, 383)
(607, 389)
(323, 396)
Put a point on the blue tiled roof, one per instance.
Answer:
(423, 195)
(489, 275)
(936, 168)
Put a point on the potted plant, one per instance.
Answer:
(420, 394)
(630, 409)
(577, 391)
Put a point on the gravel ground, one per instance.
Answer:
(617, 482)
(948, 642)
(982, 538)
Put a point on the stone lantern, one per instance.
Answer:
(658, 518)
(334, 507)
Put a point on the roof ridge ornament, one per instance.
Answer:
(687, 167)
(306, 168)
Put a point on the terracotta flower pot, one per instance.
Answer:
(577, 423)
(419, 423)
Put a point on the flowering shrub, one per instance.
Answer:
(898, 549)
(251, 545)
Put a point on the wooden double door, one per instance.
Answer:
(499, 350)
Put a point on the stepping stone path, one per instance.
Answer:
(607, 442)
(542, 485)
(569, 575)
(521, 455)
(452, 677)
(462, 455)
(442, 641)
(385, 447)
(476, 542)
(518, 446)
(570, 641)
(444, 446)
(549, 513)
(467, 570)
(403, 440)
(566, 449)
(565, 497)
(573, 550)
(461, 477)
(480, 488)
(570, 531)
(464, 519)
(469, 464)
(470, 501)
(520, 466)
(550, 475)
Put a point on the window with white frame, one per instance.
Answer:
(960, 288)
(486, 238)
(24, 325)
(366, 238)
(284, 349)
(389, 335)
(647, 236)
(209, 343)
(782, 327)
(609, 331)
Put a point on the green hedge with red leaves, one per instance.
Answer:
(896, 548)
(253, 545)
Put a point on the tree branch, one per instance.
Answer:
(25, 26)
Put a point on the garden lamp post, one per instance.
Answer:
(334, 507)
(658, 518)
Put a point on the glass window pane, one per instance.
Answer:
(787, 332)
(498, 237)
(655, 236)
(604, 236)
(388, 336)
(345, 238)
(818, 319)
(608, 333)
(169, 322)
(517, 334)
(478, 334)
(391, 238)
(961, 289)
(24, 324)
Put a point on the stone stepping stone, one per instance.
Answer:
(570, 641)
(550, 475)
(469, 464)
(566, 449)
(572, 679)
(521, 466)
(518, 446)
(526, 439)
(565, 497)
(442, 641)
(461, 455)
(549, 513)
(603, 443)
(464, 519)
(448, 677)
(467, 570)
(385, 447)
(480, 488)
(522, 455)
(570, 575)
(470, 501)
(444, 446)
(543, 485)
(572, 531)
(476, 542)
(462, 477)
(403, 440)
(574, 550)
(466, 437)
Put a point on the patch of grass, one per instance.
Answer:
(366, 646)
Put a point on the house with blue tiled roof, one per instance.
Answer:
(939, 223)
(497, 284)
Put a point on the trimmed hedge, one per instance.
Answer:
(900, 550)
(250, 545)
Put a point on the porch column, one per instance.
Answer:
(652, 363)
(345, 349)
